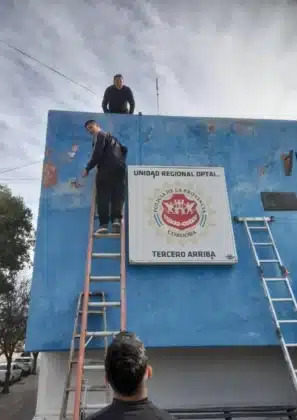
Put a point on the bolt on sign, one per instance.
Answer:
(179, 215)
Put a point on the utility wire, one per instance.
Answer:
(46, 66)
(19, 179)
(49, 68)
(28, 183)
(20, 167)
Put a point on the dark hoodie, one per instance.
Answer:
(116, 100)
(108, 154)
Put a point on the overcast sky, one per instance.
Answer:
(213, 58)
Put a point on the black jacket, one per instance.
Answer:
(131, 410)
(108, 153)
(116, 100)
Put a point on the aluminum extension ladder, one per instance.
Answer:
(252, 224)
(85, 308)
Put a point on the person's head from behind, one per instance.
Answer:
(126, 366)
(118, 81)
(92, 127)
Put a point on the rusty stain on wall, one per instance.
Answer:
(211, 128)
(288, 162)
(49, 175)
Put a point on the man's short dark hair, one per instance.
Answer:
(117, 76)
(126, 363)
(90, 122)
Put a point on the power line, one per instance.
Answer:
(20, 167)
(29, 184)
(19, 179)
(46, 66)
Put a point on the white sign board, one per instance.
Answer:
(179, 215)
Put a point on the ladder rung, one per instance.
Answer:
(94, 367)
(274, 278)
(262, 243)
(93, 312)
(291, 344)
(99, 334)
(107, 235)
(258, 227)
(287, 321)
(89, 388)
(268, 261)
(98, 294)
(105, 304)
(254, 219)
(105, 278)
(106, 255)
(281, 299)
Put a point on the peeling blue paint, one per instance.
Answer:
(167, 306)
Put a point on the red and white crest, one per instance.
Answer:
(179, 212)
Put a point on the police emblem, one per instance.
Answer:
(180, 211)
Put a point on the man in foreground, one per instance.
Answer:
(117, 97)
(109, 155)
(127, 371)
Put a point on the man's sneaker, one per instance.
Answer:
(103, 229)
(116, 226)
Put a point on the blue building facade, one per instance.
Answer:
(168, 306)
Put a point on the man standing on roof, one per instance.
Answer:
(117, 97)
(127, 371)
(109, 155)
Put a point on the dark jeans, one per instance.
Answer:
(110, 194)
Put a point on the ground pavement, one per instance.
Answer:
(20, 403)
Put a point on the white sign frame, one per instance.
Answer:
(155, 195)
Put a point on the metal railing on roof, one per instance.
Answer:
(230, 413)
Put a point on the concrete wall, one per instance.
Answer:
(167, 306)
(187, 378)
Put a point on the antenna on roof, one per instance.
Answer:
(157, 91)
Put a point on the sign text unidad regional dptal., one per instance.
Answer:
(154, 173)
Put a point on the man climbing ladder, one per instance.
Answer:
(109, 156)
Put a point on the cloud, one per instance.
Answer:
(213, 58)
